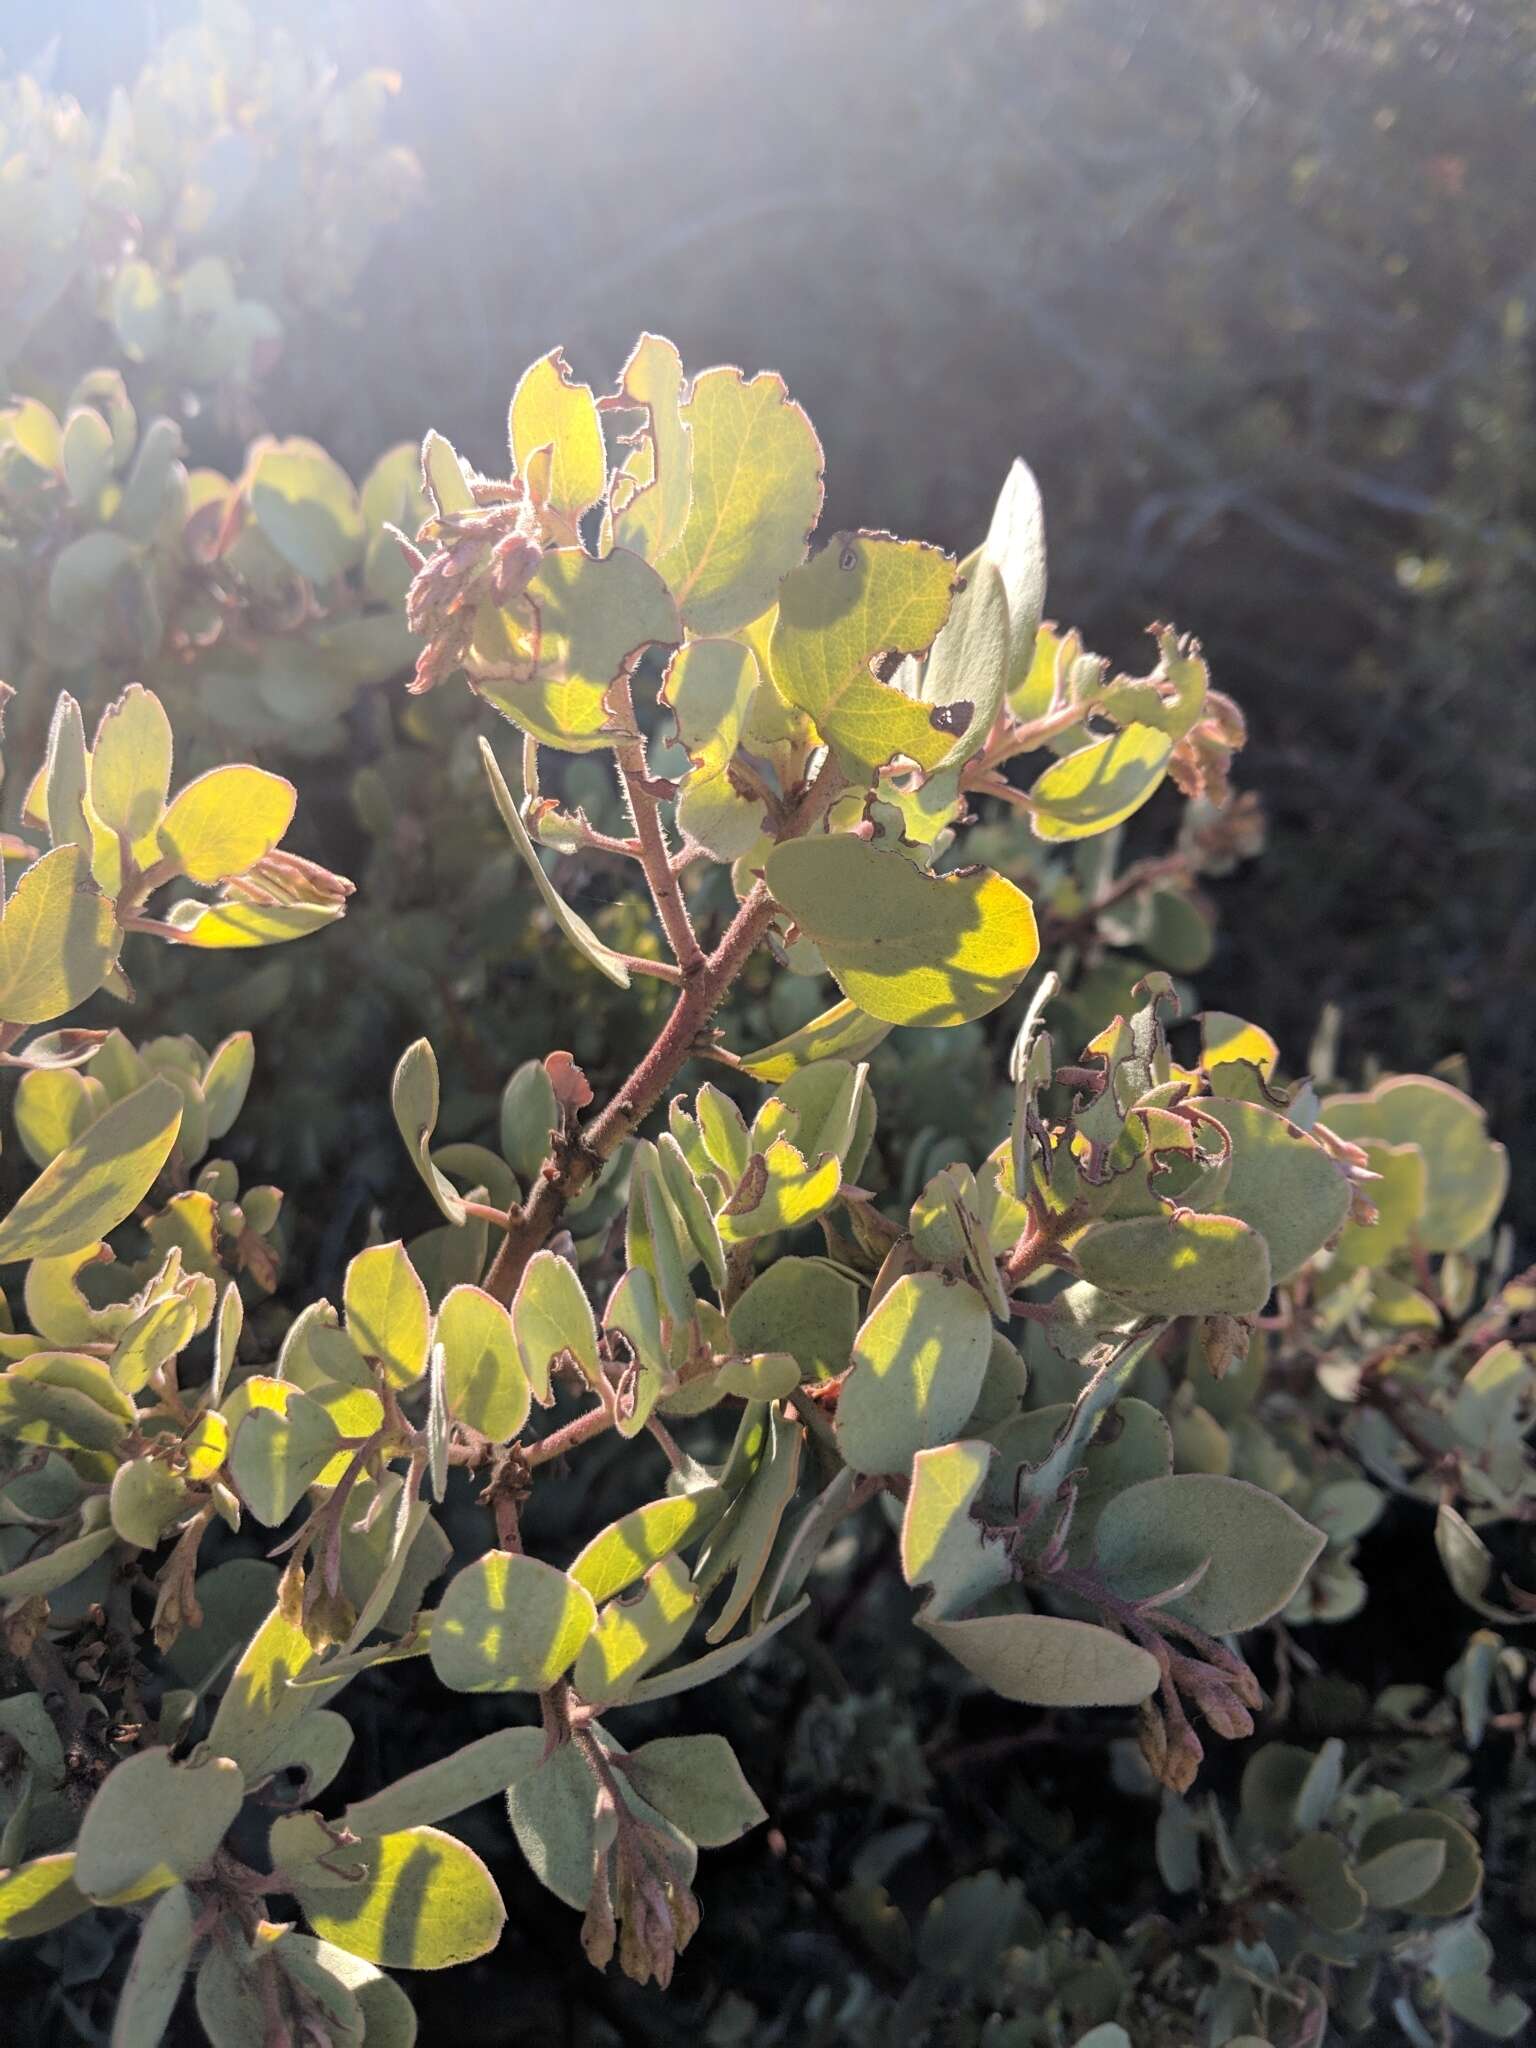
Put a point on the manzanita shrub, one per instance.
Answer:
(1126, 1382)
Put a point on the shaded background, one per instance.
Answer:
(1251, 286)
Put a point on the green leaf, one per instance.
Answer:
(845, 1032)
(235, 926)
(1461, 1875)
(941, 1540)
(551, 413)
(389, 2018)
(131, 769)
(697, 1783)
(1318, 1867)
(907, 947)
(141, 312)
(154, 1978)
(484, 1380)
(713, 1664)
(87, 454)
(260, 1706)
(1256, 1550)
(440, 1790)
(55, 1106)
(509, 1624)
(154, 1821)
(552, 1809)
(709, 687)
(1179, 1264)
(918, 1364)
(58, 938)
(1281, 1184)
(804, 1307)
(967, 671)
(442, 476)
(549, 663)
(278, 1452)
(224, 822)
(637, 1630)
(576, 929)
(552, 1317)
(413, 1095)
(304, 504)
(620, 1554)
(1043, 1661)
(1468, 1174)
(1397, 1195)
(38, 1896)
(863, 596)
(147, 1497)
(388, 1316)
(741, 1544)
(654, 489)
(1016, 543)
(756, 495)
(46, 1572)
(1396, 1876)
(1100, 785)
(98, 1181)
(226, 1081)
(422, 1901)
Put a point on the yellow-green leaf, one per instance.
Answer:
(548, 664)
(304, 504)
(1100, 785)
(421, 1901)
(131, 769)
(388, 1317)
(862, 596)
(58, 938)
(907, 947)
(509, 1623)
(98, 1181)
(576, 929)
(756, 495)
(918, 1364)
(550, 412)
(654, 489)
(221, 824)
(483, 1378)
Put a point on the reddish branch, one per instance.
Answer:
(576, 1159)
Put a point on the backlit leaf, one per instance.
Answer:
(58, 938)
(509, 1624)
(756, 495)
(907, 947)
(98, 1181)
(221, 824)
(862, 596)
(1100, 785)
(551, 412)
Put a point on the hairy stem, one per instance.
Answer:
(655, 855)
(579, 1157)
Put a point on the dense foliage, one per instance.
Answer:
(1094, 1358)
